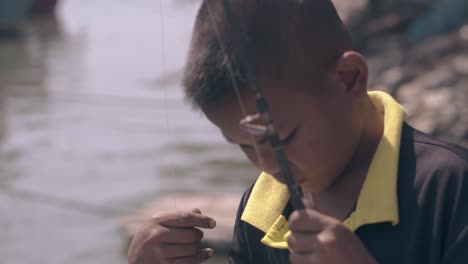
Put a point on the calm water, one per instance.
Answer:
(93, 124)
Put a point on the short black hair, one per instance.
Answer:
(281, 36)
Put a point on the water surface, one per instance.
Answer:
(93, 124)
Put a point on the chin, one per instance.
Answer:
(279, 178)
(309, 187)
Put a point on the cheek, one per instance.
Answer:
(251, 154)
(321, 150)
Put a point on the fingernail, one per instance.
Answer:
(209, 252)
(212, 223)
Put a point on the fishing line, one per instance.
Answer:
(163, 60)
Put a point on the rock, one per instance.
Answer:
(464, 33)
(444, 16)
(423, 122)
(460, 64)
(394, 77)
(429, 78)
(349, 10)
(221, 207)
(367, 19)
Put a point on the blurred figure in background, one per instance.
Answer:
(41, 7)
(13, 13)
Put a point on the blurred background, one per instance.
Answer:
(95, 135)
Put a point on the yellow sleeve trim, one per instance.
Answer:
(266, 202)
(277, 236)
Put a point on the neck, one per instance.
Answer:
(340, 198)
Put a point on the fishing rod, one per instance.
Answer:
(251, 122)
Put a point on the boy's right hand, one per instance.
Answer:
(172, 238)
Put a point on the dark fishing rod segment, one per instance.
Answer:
(266, 128)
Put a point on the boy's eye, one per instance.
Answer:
(289, 137)
(286, 140)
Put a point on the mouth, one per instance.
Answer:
(282, 180)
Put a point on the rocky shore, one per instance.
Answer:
(417, 51)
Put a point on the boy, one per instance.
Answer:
(377, 190)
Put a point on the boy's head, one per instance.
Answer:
(314, 84)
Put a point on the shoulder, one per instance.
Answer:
(433, 181)
(430, 155)
(436, 168)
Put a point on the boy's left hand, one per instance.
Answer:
(317, 238)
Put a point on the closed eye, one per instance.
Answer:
(286, 140)
(289, 137)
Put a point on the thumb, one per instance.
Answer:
(308, 200)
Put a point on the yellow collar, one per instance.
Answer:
(377, 202)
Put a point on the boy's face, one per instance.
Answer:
(319, 131)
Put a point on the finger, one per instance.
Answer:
(308, 200)
(184, 219)
(205, 254)
(201, 256)
(307, 220)
(179, 250)
(180, 235)
(295, 258)
(303, 243)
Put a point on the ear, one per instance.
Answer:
(352, 72)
